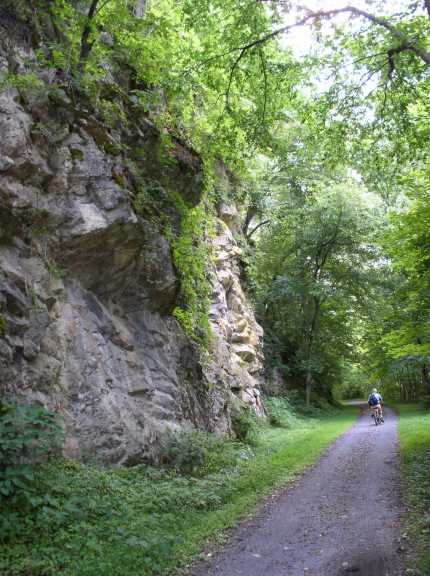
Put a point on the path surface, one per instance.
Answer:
(341, 517)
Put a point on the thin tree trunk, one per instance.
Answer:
(140, 8)
(310, 341)
(86, 45)
(425, 377)
(250, 213)
(308, 387)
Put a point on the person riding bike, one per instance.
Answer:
(376, 402)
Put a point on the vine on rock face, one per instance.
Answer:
(158, 201)
(191, 256)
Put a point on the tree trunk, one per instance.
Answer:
(425, 377)
(250, 213)
(403, 392)
(86, 44)
(308, 387)
(140, 8)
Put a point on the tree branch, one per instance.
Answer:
(252, 232)
(311, 16)
(263, 67)
(102, 6)
(86, 45)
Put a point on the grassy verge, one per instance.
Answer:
(147, 522)
(414, 431)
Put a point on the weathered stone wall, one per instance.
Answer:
(87, 287)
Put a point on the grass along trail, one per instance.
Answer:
(414, 432)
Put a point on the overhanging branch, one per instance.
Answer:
(404, 41)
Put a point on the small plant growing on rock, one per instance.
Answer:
(3, 325)
(26, 84)
(55, 270)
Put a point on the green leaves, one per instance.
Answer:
(415, 451)
(221, 99)
(142, 521)
(190, 255)
(313, 272)
(28, 434)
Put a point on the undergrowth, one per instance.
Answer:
(146, 521)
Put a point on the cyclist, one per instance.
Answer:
(376, 402)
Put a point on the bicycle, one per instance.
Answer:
(377, 415)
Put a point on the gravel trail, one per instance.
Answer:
(342, 517)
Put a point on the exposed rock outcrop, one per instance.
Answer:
(239, 335)
(87, 288)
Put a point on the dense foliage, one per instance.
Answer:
(367, 115)
(28, 436)
(414, 431)
(313, 275)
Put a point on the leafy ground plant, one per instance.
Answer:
(196, 453)
(244, 423)
(143, 521)
(28, 435)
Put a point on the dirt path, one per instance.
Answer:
(340, 518)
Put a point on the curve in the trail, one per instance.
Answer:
(342, 517)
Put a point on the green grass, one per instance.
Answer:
(147, 522)
(414, 431)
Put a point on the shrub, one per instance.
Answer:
(196, 453)
(243, 421)
(279, 412)
(27, 435)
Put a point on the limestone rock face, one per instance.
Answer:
(87, 288)
(239, 337)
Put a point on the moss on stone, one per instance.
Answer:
(77, 154)
(3, 324)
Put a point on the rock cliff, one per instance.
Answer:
(88, 284)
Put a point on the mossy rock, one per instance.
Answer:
(77, 154)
